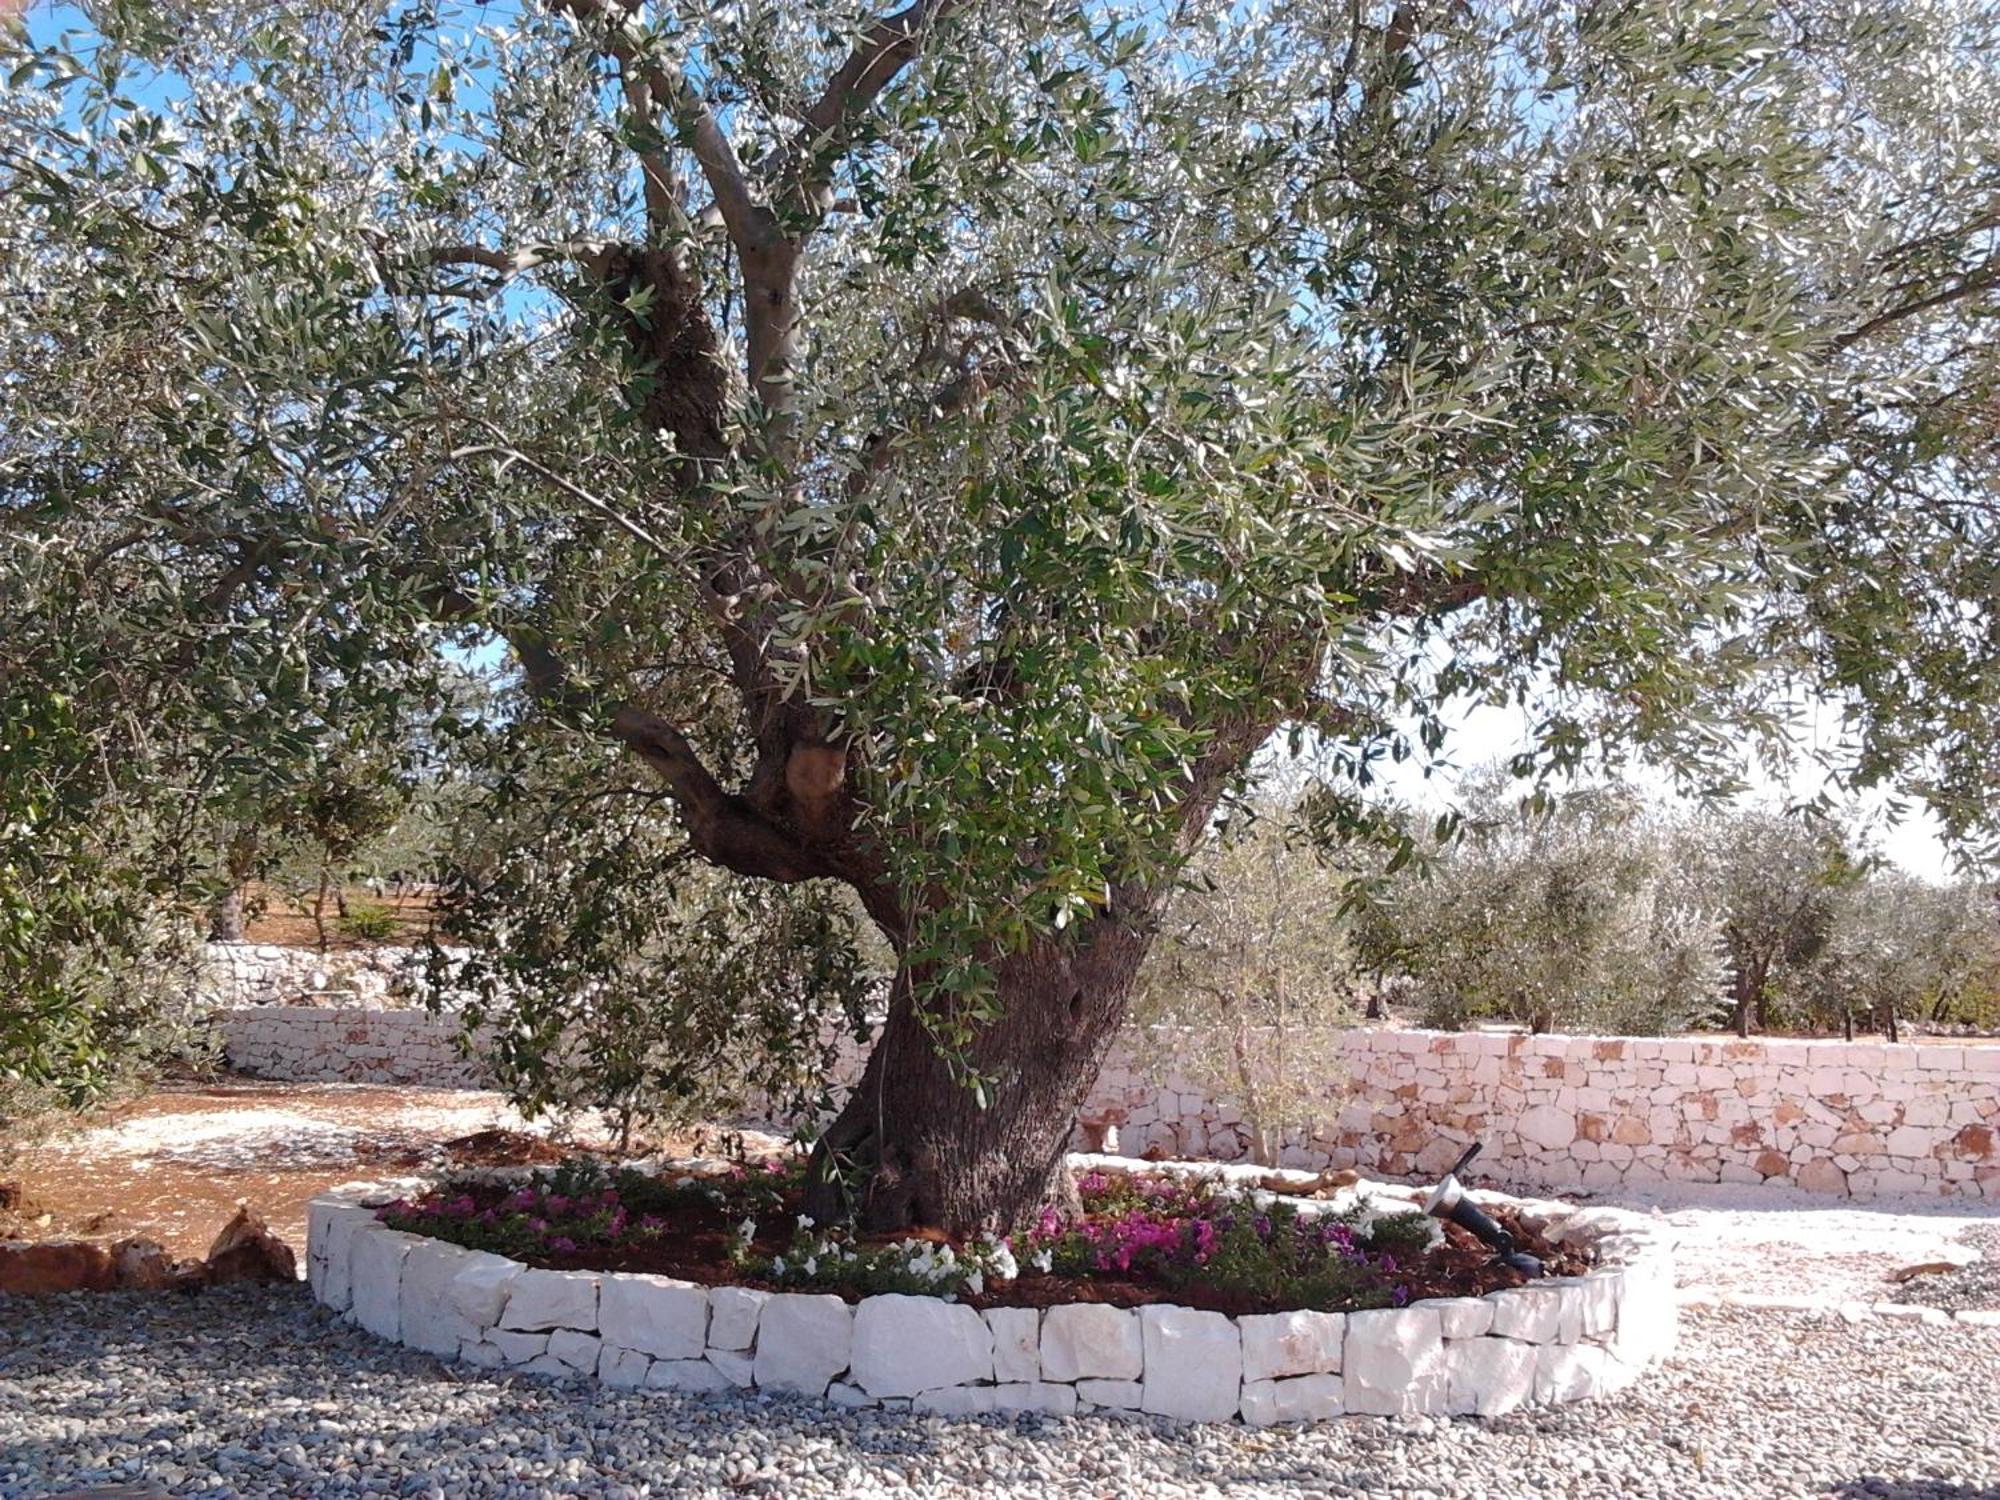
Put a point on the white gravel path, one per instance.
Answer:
(1782, 1242)
(254, 1392)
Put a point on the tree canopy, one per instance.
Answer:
(944, 445)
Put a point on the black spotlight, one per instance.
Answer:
(1448, 1201)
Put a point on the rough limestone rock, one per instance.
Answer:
(1532, 1314)
(343, 1223)
(479, 1292)
(518, 1348)
(735, 1369)
(1089, 1341)
(145, 1266)
(957, 1401)
(904, 1346)
(430, 1322)
(1193, 1364)
(1114, 1395)
(625, 1368)
(1016, 1343)
(55, 1266)
(1547, 1126)
(1589, 1306)
(1572, 1372)
(542, 1300)
(1304, 1398)
(482, 1355)
(1463, 1317)
(578, 1351)
(803, 1341)
(732, 1316)
(1394, 1362)
(1489, 1377)
(377, 1264)
(246, 1250)
(1291, 1343)
(330, 1225)
(658, 1315)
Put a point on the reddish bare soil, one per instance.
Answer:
(173, 1165)
(276, 918)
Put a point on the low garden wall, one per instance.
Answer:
(325, 1044)
(1853, 1119)
(1547, 1342)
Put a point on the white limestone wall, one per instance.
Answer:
(1546, 1343)
(338, 1045)
(239, 975)
(1855, 1119)
(1847, 1118)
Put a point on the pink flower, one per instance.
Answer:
(562, 1244)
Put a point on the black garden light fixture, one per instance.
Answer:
(1448, 1200)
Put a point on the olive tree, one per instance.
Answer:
(944, 445)
(1253, 980)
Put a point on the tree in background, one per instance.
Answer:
(1775, 880)
(1253, 978)
(943, 446)
(1563, 916)
(1900, 949)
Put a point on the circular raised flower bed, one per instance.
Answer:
(1562, 1339)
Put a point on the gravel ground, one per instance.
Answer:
(1975, 1286)
(255, 1392)
(1780, 1241)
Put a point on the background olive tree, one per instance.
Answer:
(1253, 979)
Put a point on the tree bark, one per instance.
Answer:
(914, 1146)
(225, 918)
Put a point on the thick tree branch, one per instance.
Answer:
(1985, 279)
(879, 54)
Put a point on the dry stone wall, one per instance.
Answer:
(325, 1044)
(1556, 1112)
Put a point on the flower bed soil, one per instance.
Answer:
(690, 1236)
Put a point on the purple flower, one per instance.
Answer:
(556, 1203)
(562, 1244)
(1400, 1295)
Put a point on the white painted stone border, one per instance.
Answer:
(1550, 1342)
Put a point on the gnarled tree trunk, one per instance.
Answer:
(913, 1145)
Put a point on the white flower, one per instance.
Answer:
(1042, 1261)
(778, 1265)
(747, 1230)
(975, 1283)
(1002, 1262)
(811, 1266)
(805, 1221)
